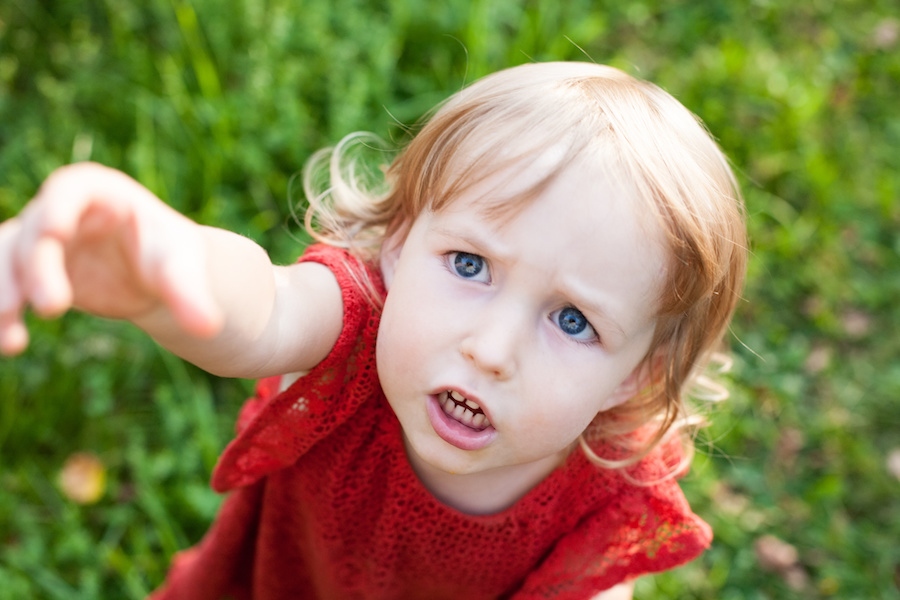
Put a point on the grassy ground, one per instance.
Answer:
(215, 106)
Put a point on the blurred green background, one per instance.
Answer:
(216, 105)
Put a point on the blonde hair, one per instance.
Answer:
(646, 140)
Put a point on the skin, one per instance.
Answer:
(495, 336)
(95, 240)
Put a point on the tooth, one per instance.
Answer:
(458, 411)
(479, 420)
(447, 405)
(466, 418)
(457, 396)
(473, 405)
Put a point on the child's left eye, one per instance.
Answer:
(469, 266)
(574, 324)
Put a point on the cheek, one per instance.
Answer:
(394, 339)
(571, 419)
(393, 354)
(416, 305)
(566, 398)
(407, 328)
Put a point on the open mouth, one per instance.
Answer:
(461, 409)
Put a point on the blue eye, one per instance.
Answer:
(573, 323)
(467, 265)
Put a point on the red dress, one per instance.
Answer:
(324, 504)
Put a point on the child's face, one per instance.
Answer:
(537, 319)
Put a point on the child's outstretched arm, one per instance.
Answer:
(623, 591)
(96, 240)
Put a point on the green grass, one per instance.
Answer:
(215, 106)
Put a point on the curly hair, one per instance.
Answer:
(642, 137)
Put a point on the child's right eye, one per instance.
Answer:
(469, 266)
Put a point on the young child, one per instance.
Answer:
(475, 386)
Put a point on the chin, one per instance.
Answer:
(436, 455)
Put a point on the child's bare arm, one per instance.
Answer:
(96, 240)
(623, 591)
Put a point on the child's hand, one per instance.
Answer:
(96, 240)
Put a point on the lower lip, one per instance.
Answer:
(455, 433)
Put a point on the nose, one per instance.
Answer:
(493, 342)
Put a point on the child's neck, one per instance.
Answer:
(486, 492)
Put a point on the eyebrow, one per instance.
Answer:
(479, 242)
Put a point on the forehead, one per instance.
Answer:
(588, 184)
(583, 233)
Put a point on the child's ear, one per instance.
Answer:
(390, 254)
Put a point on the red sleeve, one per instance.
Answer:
(275, 429)
(648, 530)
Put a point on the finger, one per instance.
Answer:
(13, 334)
(52, 220)
(10, 295)
(64, 198)
(46, 279)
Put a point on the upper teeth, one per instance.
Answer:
(460, 398)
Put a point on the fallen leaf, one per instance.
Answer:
(796, 578)
(777, 556)
(789, 444)
(728, 500)
(893, 462)
(83, 478)
(774, 554)
(818, 360)
(856, 323)
(886, 33)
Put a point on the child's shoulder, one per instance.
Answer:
(360, 281)
(284, 419)
(624, 528)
